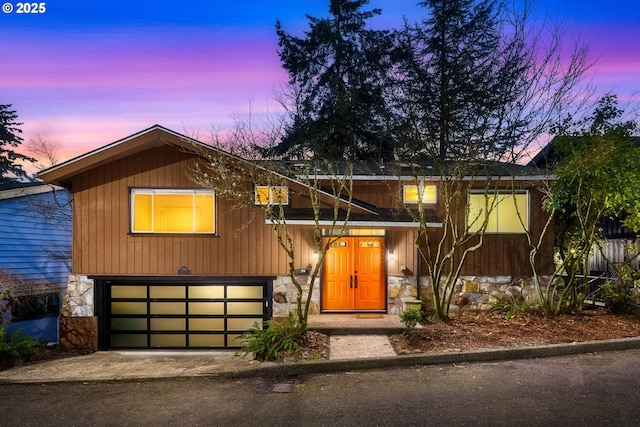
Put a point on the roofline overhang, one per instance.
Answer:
(59, 173)
(352, 224)
(439, 178)
(28, 191)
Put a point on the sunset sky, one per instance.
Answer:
(86, 73)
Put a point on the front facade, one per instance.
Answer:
(160, 262)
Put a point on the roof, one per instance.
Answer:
(152, 137)
(367, 170)
(11, 190)
(547, 155)
(146, 139)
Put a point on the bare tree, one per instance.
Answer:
(323, 187)
(475, 135)
(45, 151)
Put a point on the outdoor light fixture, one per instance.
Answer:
(314, 255)
(391, 255)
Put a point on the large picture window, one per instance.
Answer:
(507, 212)
(172, 211)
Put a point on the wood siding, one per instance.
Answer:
(29, 238)
(244, 245)
(103, 245)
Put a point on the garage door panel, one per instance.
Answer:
(242, 324)
(129, 324)
(206, 308)
(196, 340)
(168, 340)
(206, 292)
(129, 340)
(206, 324)
(239, 292)
(164, 324)
(120, 307)
(167, 292)
(178, 308)
(182, 315)
(128, 291)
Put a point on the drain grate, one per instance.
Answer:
(283, 388)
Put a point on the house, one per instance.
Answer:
(35, 248)
(160, 262)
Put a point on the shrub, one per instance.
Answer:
(272, 339)
(619, 296)
(410, 318)
(15, 349)
(511, 306)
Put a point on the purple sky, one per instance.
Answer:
(86, 73)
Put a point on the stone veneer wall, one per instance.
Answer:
(78, 324)
(480, 293)
(471, 293)
(285, 295)
(401, 291)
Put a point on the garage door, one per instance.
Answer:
(182, 315)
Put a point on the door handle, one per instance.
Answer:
(350, 282)
(356, 281)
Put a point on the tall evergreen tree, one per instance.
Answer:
(339, 74)
(459, 75)
(9, 139)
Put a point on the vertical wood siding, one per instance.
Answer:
(103, 245)
(244, 244)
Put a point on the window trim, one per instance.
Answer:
(420, 187)
(527, 221)
(153, 191)
(271, 201)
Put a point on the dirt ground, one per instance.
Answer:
(493, 330)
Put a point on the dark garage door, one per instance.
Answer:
(208, 314)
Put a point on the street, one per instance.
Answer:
(584, 390)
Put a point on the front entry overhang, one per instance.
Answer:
(390, 218)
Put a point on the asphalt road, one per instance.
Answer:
(585, 390)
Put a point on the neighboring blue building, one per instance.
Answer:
(35, 247)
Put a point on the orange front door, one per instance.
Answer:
(353, 276)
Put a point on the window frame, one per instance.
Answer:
(527, 221)
(172, 191)
(35, 306)
(420, 190)
(272, 192)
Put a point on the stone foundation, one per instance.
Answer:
(285, 295)
(78, 324)
(79, 333)
(78, 301)
(476, 294)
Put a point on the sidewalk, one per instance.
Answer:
(358, 350)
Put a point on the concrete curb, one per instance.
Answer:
(234, 370)
(487, 355)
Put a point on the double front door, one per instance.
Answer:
(353, 276)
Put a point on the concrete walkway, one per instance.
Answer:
(357, 350)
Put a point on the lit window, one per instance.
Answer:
(507, 212)
(266, 195)
(410, 193)
(172, 211)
